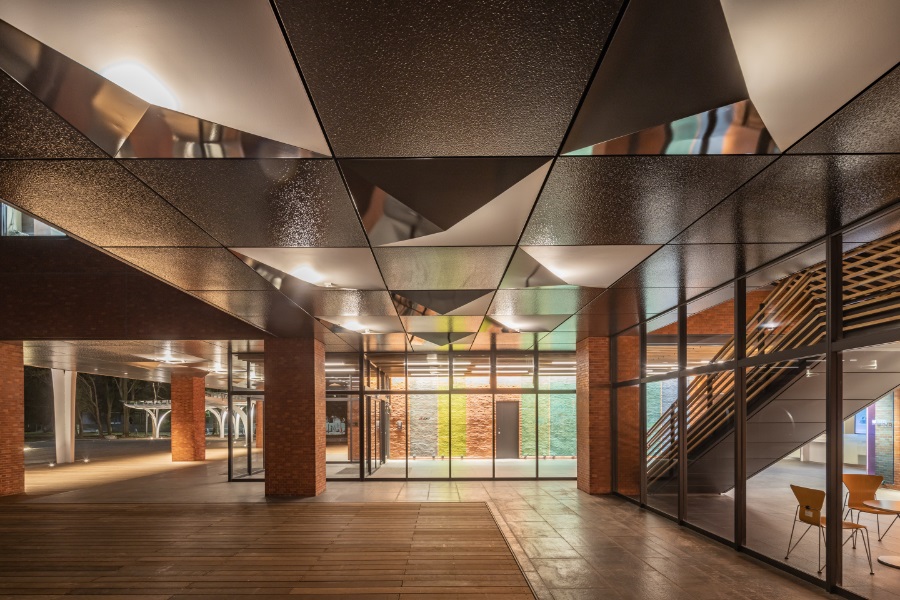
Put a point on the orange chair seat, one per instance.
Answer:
(870, 510)
(846, 524)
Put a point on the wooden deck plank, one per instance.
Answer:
(279, 550)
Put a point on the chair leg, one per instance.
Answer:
(791, 539)
(867, 544)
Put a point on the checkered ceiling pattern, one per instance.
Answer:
(422, 175)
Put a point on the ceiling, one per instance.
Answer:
(423, 176)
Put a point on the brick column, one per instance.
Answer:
(258, 424)
(12, 419)
(295, 419)
(188, 415)
(593, 416)
(628, 410)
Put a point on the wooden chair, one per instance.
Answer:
(859, 489)
(809, 511)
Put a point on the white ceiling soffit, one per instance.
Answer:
(590, 266)
(224, 61)
(804, 59)
(347, 268)
(498, 223)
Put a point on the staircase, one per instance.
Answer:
(785, 401)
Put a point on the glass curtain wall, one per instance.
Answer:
(459, 415)
(787, 380)
(245, 413)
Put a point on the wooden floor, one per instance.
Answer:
(335, 550)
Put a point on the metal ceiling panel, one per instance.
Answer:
(412, 78)
(98, 201)
(632, 199)
(194, 268)
(870, 123)
(352, 303)
(365, 324)
(544, 301)
(435, 302)
(435, 324)
(590, 266)
(28, 129)
(667, 60)
(701, 266)
(799, 198)
(225, 61)
(731, 129)
(268, 202)
(529, 323)
(443, 268)
(443, 190)
(499, 222)
(350, 268)
(164, 133)
(803, 60)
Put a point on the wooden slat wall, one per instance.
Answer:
(153, 551)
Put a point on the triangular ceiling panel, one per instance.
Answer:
(667, 60)
(804, 59)
(479, 306)
(225, 61)
(443, 338)
(732, 129)
(444, 191)
(525, 272)
(499, 222)
(441, 302)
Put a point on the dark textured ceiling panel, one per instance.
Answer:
(463, 78)
(443, 268)
(28, 129)
(98, 201)
(870, 123)
(667, 60)
(195, 268)
(541, 301)
(273, 202)
(700, 265)
(351, 302)
(632, 199)
(800, 198)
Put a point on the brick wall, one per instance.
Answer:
(593, 409)
(628, 452)
(295, 423)
(885, 424)
(12, 419)
(188, 416)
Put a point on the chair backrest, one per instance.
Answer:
(862, 487)
(810, 502)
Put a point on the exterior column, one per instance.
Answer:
(628, 411)
(12, 419)
(294, 437)
(64, 414)
(592, 405)
(188, 415)
(258, 424)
